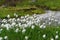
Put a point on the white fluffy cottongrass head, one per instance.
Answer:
(26, 37)
(1, 38)
(2, 25)
(1, 30)
(44, 35)
(15, 14)
(55, 20)
(49, 23)
(58, 22)
(41, 26)
(56, 32)
(52, 19)
(23, 30)
(49, 18)
(9, 19)
(24, 25)
(52, 38)
(19, 24)
(8, 16)
(13, 24)
(17, 30)
(4, 20)
(56, 37)
(44, 23)
(5, 37)
(18, 19)
(22, 17)
(44, 26)
(27, 15)
(32, 26)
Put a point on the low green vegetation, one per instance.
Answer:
(51, 4)
(33, 34)
(24, 7)
(46, 4)
(19, 11)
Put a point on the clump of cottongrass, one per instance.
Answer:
(7, 26)
(4, 20)
(13, 24)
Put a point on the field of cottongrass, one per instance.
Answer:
(27, 20)
(30, 27)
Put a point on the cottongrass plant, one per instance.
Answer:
(37, 27)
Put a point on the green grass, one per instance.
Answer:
(36, 33)
(51, 4)
(21, 12)
(33, 34)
